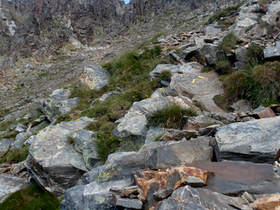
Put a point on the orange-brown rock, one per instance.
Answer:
(267, 202)
(174, 178)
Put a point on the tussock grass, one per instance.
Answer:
(32, 198)
(15, 156)
(170, 117)
(228, 42)
(223, 67)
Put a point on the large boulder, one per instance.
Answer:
(255, 141)
(189, 198)
(58, 104)
(272, 52)
(94, 77)
(199, 86)
(9, 185)
(53, 162)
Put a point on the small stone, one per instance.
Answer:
(248, 197)
(238, 202)
(127, 203)
(195, 181)
(130, 190)
(162, 194)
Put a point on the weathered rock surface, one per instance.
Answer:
(52, 161)
(5, 145)
(9, 185)
(262, 112)
(179, 153)
(242, 105)
(127, 203)
(233, 178)
(178, 135)
(201, 121)
(198, 86)
(267, 202)
(272, 52)
(254, 141)
(94, 77)
(189, 198)
(58, 104)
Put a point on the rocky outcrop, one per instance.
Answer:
(254, 141)
(52, 160)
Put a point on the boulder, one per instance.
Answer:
(134, 124)
(94, 77)
(234, 178)
(199, 86)
(272, 52)
(5, 145)
(262, 112)
(73, 198)
(267, 202)
(10, 184)
(255, 141)
(52, 161)
(189, 198)
(213, 30)
(179, 153)
(58, 104)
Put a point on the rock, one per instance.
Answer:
(251, 141)
(52, 161)
(173, 69)
(153, 133)
(213, 57)
(174, 56)
(272, 52)
(213, 30)
(179, 153)
(133, 190)
(233, 178)
(248, 197)
(163, 193)
(21, 128)
(19, 140)
(74, 198)
(86, 146)
(178, 135)
(199, 86)
(189, 198)
(242, 105)
(262, 112)
(152, 181)
(105, 96)
(267, 202)
(18, 168)
(29, 141)
(127, 203)
(209, 130)
(94, 77)
(134, 124)
(272, 13)
(275, 108)
(9, 185)
(240, 58)
(225, 118)
(240, 203)
(58, 104)
(195, 181)
(5, 145)
(201, 121)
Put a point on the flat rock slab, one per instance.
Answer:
(189, 198)
(232, 178)
(52, 161)
(9, 185)
(201, 86)
(256, 141)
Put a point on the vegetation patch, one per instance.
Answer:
(223, 67)
(166, 76)
(170, 117)
(15, 156)
(228, 42)
(32, 198)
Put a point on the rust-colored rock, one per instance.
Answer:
(169, 179)
(263, 112)
(267, 202)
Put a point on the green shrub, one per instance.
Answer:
(165, 75)
(170, 117)
(228, 42)
(254, 55)
(223, 67)
(32, 198)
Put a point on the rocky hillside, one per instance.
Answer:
(186, 120)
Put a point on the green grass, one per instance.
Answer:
(165, 75)
(32, 198)
(15, 156)
(223, 67)
(170, 117)
(206, 69)
(228, 42)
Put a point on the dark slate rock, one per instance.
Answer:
(127, 203)
(162, 194)
(73, 198)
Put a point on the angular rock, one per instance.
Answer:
(209, 130)
(201, 86)
(19, 140)
(189, 198)
(52, 161)
(21, 128)
(275, 108)
(262, 112)
(242, 105)
(213, 30)
(130, 190)
(74, 198)
(201, 121)
(240, 203)
(233, 178)
(254, 141)
(153, 181)
(5, 145)
(127, 203)
(18, 168)
(195, 181)
(240, 58)
(272, 13)
(225, 118)
(215, 56)
(94, 77)
(178, 135)
(163, 193)
(9, 185)
(179, 153)
(272, 52)
(267, 202)
(153, 133)
(248, 197)
(58, 104)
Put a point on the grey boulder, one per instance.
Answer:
(5, 145)
(272, 52)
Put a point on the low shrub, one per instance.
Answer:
(166, 76)
(223, 67)
(254, 55)
(264, 75)
(170, 117)
(31, 198)
(228, 42)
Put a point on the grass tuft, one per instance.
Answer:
(15, 156)
(228, 42)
